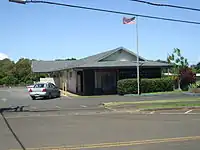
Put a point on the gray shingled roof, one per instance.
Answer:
(98, 57)
(124, 64)
(49, 66)
(91, 62)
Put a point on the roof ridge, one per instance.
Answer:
(101, 53)
(112, 52)
(133, 53)
(104, 53)
(124, 49)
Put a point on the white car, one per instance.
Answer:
(44, 90)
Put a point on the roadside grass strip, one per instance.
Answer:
(169, 106)
(110, 104)
(156, 93)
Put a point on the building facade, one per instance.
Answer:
(98, 74)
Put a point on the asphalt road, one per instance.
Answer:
(163, 132)
(79, 128)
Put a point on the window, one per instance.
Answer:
(39, 86)
(50, 85)
(127, 74)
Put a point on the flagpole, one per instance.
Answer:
(138, 69)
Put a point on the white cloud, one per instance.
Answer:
(3, 56)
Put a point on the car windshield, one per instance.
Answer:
(39, 85)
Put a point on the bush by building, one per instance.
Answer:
(129, 86)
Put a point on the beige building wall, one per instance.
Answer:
(72, 81)
(63, 80)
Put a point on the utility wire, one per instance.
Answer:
(114, 12)
(166, 5)
(11, 130)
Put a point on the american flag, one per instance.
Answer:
(128, 20)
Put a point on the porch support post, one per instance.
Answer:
(83, 82)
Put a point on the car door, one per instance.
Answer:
(53, 89)
(57, 90)
(50, 89)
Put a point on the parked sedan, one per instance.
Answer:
(44, 90)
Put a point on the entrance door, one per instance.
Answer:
(106, 81)
(80, 82)
(109, 82)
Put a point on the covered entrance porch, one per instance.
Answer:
(104, 81)
(96, 82)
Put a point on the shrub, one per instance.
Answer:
(194, 85)
(129, 86)
(126, 86)
(194, 88)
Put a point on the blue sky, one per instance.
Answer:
(47, 32)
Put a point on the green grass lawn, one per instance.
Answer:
(157, 93)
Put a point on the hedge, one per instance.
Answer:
(129, 86)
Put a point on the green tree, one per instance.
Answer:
(177, 59)
(7, 69)
(197, 67)
(18, 73)
(23, 70)
(179, 63)
(65, 59)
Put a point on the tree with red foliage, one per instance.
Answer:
(186, 76)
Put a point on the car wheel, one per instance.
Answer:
(33, 97)
(50, 96)
(58, 94)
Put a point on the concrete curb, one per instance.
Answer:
(68, 94)
(192, 94)
(178, 108)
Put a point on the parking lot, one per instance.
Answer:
(20, 96)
